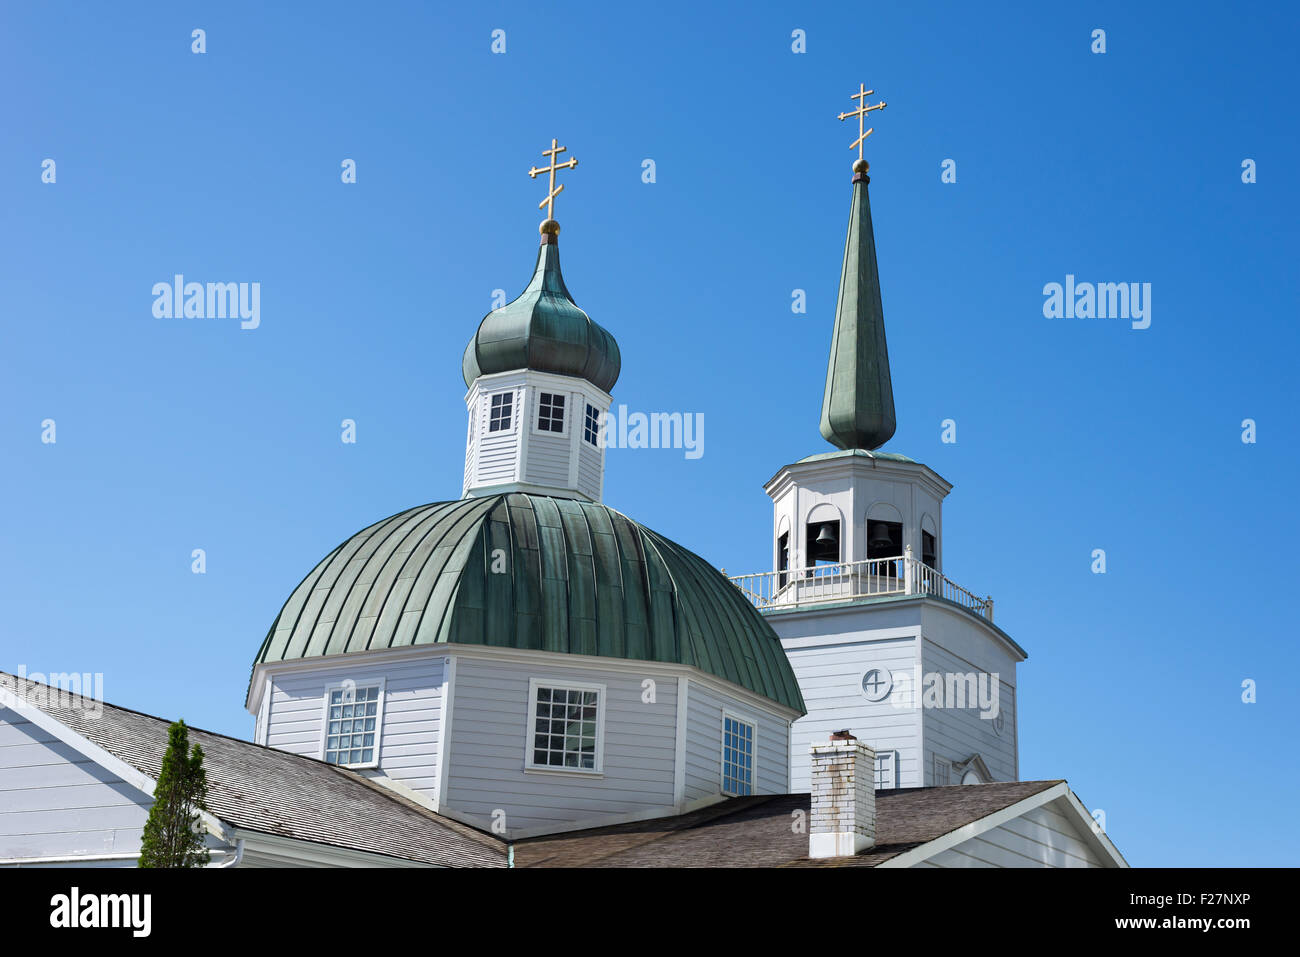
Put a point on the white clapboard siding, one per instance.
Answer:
(496, 453)
(956, 734)
(55, 802)
(548, 458)
(830, 677)
(412, 710)
(704, 707)
(1043, 837)
(591, 463)
(491, 721)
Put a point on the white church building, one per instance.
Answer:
(524, 676)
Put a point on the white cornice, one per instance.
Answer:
(922, 603)
(519, 656)
(551, 491)
(561, 383)
(797, 473)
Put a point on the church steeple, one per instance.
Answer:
(539, 371)
(858, 404)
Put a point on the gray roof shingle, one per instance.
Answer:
(758, 832)
(274, 792)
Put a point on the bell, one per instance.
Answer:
(880, 538)
(826, 546)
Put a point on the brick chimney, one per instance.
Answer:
(843, 817)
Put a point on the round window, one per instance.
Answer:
(877, 683)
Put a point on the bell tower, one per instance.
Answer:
(882, 641)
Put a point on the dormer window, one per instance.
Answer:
(501, 412)
(550, 412)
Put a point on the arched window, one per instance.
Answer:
(824, 541)
(929, 543)
(884, 535)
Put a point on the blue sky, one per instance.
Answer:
(1072, 434)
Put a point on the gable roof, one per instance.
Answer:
(256, 788)
(757, 832)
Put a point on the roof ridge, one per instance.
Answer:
(465, 830)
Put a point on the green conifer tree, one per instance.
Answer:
(172, 837)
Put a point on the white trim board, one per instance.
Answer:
(878, 636)
(523, 656)
(975, 828)
(93, 752)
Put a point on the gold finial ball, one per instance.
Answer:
(549, 227)
(861, 166)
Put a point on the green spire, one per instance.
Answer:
(858, 406)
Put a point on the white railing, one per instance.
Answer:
(873, 578)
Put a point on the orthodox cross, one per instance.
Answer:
(554, 191)
(861, 113)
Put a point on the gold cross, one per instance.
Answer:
(554, 191)
(861, 113)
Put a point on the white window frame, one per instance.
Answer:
(595, 444)
(890, 778)
(536, 414)
(942, 764)
(515, 405)
(722, 752)
(379, 718)
(564, 684)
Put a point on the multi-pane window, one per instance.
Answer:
(942, 772)
(566, 724)
(352, 725)
(501, 411)
(886, 769)
(591, 427)
(737, 756)
(550, 412)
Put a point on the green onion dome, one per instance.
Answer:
(544, 330)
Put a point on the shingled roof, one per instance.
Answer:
(262, 789)
(757, 831)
